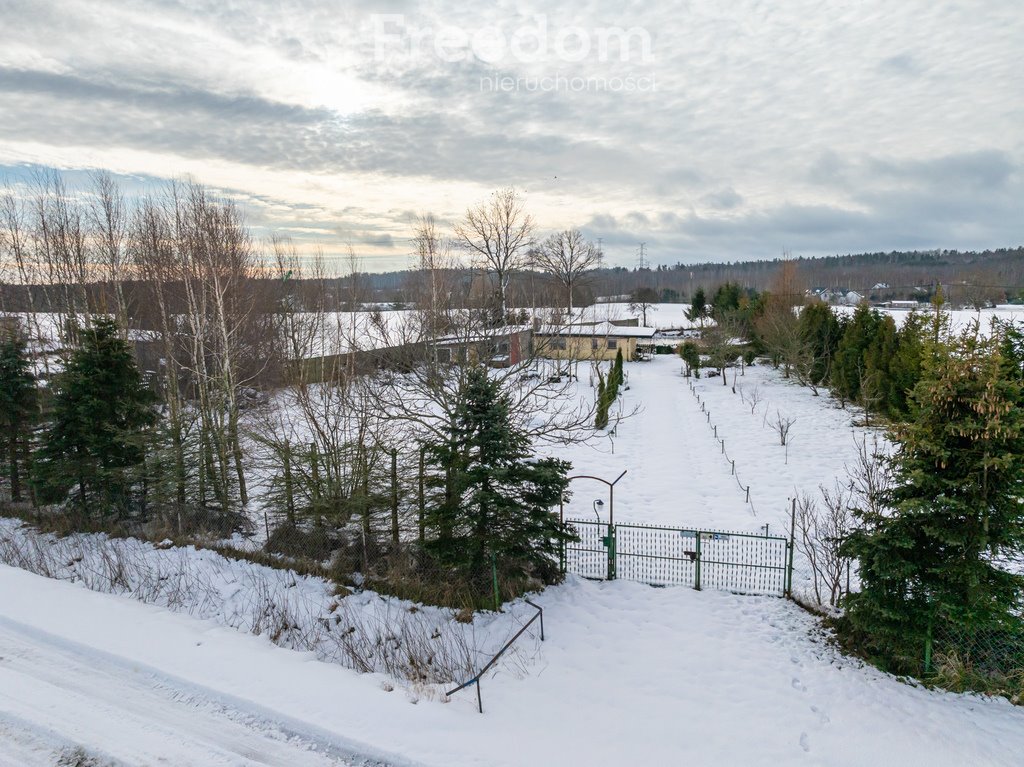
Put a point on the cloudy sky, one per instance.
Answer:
(708, 129)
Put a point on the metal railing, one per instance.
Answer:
(539, 615)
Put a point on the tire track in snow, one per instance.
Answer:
(56, 696)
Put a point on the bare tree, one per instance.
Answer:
(109, 221)
(754, 398)
(779, 331)
(568, 257)
(821, 532)
(498, 233)
(870, 476)
(781, 426)
(61, 241)
(643, 300)
(433, 286)
(719, 341)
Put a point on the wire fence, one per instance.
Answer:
(985, 659)
(744, 563)
(744, 488)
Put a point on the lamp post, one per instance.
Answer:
(598, 503)
(611, 515)
(611, 491)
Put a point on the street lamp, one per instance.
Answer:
(598, 503)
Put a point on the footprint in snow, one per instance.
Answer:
(805, 743)
(823, 718)
(798, 685)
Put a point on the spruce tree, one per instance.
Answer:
(905, 366)
(698, 310)
(18, 410)
(877, 383)
(849, 363)
(820, 331)
(691, 356)
(601, 417)
(102, 418)
(497, 498)
(955, 511)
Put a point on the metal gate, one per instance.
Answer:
(742, 562)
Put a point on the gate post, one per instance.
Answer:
(611, 552)
(696, 569)
(790, 544)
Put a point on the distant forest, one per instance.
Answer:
(967, 277)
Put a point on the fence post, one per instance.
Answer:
(561, 529)
(696, 569)
(733, 467)
(494, 582)
(791, 546)
(611, 552)
(748, 493)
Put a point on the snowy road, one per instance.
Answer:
(628, 675)
(59, 700)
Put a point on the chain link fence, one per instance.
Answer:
(986, 659)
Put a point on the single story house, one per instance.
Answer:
(599, 341)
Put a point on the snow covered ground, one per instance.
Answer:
(676, 473)
(629, 675)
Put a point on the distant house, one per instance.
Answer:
(880, 286)
(831, 295)
(600, 341)
(852, 298)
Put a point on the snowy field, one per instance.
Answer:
(677, 475)
(629, 675)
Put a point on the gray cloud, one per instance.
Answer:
(811, 126)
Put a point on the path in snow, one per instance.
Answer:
(676, 474)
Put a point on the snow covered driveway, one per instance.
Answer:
(629, 675)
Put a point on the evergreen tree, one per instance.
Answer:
(849, 362)
(95, 444)
(955, 512)
(497, 497)
(698, 310)
(601, 417)
(877, 390)
(18, 410)
(691, 356)
(618, 374)
(905, 367)
(820, 331)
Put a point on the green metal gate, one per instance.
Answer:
(741, 562)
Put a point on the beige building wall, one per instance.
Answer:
(585, 347)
